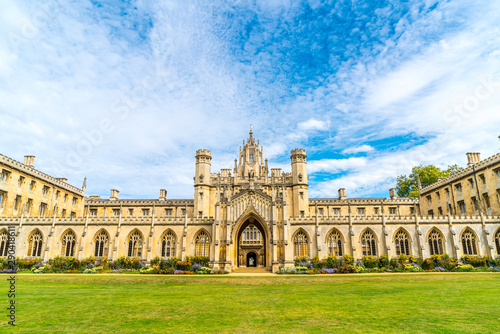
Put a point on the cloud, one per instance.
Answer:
(358, 149)
(313, 124)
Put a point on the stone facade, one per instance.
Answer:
(250, 216)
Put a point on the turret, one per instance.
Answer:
(300, 193)
(202, 183)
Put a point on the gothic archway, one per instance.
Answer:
(251, 237)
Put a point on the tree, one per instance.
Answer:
(407, 186)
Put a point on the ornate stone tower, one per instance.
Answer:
(202, 183)
(251, 160)
(300, 194)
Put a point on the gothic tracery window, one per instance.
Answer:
(435, 242)
(402, 241)
(251, 235)
(301, 245)
(202, 244)
(4, 243)
(101, 244)
(68, 243)
(335, 243)
(35, 241)
(469, 242)
(168, 244)
(368, 243)
(135, 244)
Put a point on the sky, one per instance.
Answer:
(125, 92)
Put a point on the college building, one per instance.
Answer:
(250, 215)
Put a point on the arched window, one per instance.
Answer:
(497, 241)
(35, 241)
(101, 244)
(202, 244)
(469, 242)
(402, 241)
(4, 243)
(251, 236)
(436, 242)
(334, 241)
(135, 244)
(68, 243)
(368, 243)
(300, 245)
(168, 244)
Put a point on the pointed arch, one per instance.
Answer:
(101, 240)
(35, 242)
(496, 236)
(68, 242)
(168, 243)
(469, 241)
(436, 241)
(4, 242)
(335, 242)
(135, 243)
(402, 241)
(368, 240)
(300, 243)
(202, 243)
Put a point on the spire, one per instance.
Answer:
(251, 134)
(84, 186)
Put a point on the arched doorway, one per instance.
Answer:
(251, 259)
(251, 241)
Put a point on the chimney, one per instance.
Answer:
(342, 193)
(114, 195)
(392, 193)
(163, 194)
(29, 160)
(473, 158)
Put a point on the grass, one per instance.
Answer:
(385, 303)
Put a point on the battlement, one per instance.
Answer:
(204, 153)
(298, 151)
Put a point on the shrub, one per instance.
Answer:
(428, 264)
(204, 270)
(402, 258)
(184, 265)
(89, 271)
(347, 268)
(155, 261)
(300, 259)
(383, 261)
(203, 260)
(476, 261)
(412, 267)
(147, 270)
(369, 261)
(334, 262)
(393, 263)
(464, 267)
(348, 259)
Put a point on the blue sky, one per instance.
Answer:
(124, 92)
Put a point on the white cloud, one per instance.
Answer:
(358, 149)
(313, 124)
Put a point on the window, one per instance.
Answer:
(116, 212)
(447, 191)
(486, 199)
(475, 204)
(63, 213)
(72, 214)
(3, 198)
(168, 245)
(202, 244)
(65, 197)
(135, 244)
(482, 179)
(438, 195)
(57, 194)
(440, 211)
(402, 242)
(42, 209)
(335, 243)
(35, 241)
(435, 242)
(300, 245)
(250, 158)
(301, 195)
(471, 184)
(429, 200)
(320, 211)
(375, 211)
(458, 187)
(302, 214)
(32, 185)
(168, 212)
(392, 211)
(336, 212)
(200, 214)
(68, 243)
(469, 242)
(497, 173)
(20, 181)
(461, 206)
(45, 190)
(101, 244)
(130, 212)
(4, 176)
(450, 209)
(497, 240)
(145, 212)
(368, 243)
(17, 202)
(361, 211)
(430, 213)
(93, 212)
(412, 211)
(74, 201)
(4, 243)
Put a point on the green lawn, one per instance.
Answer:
(107, 303)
